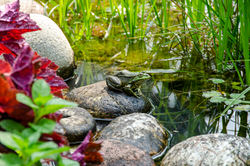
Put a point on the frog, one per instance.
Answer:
(127, 82)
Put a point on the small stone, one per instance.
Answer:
(139, 129)
(76, 122)
(117, 153)
(50, 42)
(104, 103)
(209, 150)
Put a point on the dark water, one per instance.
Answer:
(179, 79)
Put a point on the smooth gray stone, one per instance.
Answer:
(50, 42)
(209, 150)
(139, 129)
(104, 103)
(76, 122)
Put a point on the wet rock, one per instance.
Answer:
(50, 42)
(26, 6)
(209, 150)
(76, 122)
(104, 103)
(139, 129)
(117, 153)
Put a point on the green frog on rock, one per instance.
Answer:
(127, 82)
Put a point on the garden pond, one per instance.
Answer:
(178, 83)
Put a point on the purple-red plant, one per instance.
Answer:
(19, 70)
(87, 152)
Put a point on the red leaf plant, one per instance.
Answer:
(87, 152)
(20, 68)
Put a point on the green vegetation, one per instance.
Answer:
(26, 142)
(195, 39)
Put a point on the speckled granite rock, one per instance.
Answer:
(139, 129)
(209, 150)
(26, 6)
(76, 122)
(117, 153)
(104, 103)
(50, 42)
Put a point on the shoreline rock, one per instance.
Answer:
(209, 150)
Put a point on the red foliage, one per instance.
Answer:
(46, 69)
(5, 67)
(9, 104)
(21, 66)
(55, 137)
(87, 152)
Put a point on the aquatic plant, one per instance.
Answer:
(28, 102)
(227, 23)
(233, 101)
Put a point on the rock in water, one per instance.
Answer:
(209, 150)
(50, 42)
(76, 122)
(117, 153)
(104, 103)
(139, 129)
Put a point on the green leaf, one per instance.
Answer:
(216, 80)
(209, 94)
(40, 88)
(59, 101)
(27, 132)
(11, 126)
(217, 99)
(21, 142)
(235, 95)
(33, 138)
(47, 145)
(7, 140)
(54, 105)
(25, 100)
(44, 126)
(10, 159)
(242, 108)
(229, 101)
(67, 162)
(36, 156)
(42, 100)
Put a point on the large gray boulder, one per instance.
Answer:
(50, 42)
(209, 150)
(139, 129)
(104, 103)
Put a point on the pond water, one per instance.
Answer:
(179, 80)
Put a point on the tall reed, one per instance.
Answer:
(228, 23)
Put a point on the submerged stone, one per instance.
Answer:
(104, 103)
(76, 122)
(118, 153)
(209, 150)
(139, 129)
